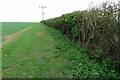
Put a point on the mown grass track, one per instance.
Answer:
(33, 54)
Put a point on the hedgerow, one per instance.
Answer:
(96, 29)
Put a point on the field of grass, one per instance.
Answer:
(12, 27)
(43, 52)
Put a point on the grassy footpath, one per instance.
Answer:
(33, 54)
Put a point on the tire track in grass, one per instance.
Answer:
(12, 36)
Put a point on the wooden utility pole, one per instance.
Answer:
(42, 11)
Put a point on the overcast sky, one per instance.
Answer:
(29, 11)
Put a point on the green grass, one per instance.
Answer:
(43, 52)
(12, 27)
(33, 54)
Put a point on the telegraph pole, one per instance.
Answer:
(42, 11)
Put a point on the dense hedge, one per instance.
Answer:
(97, 29)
